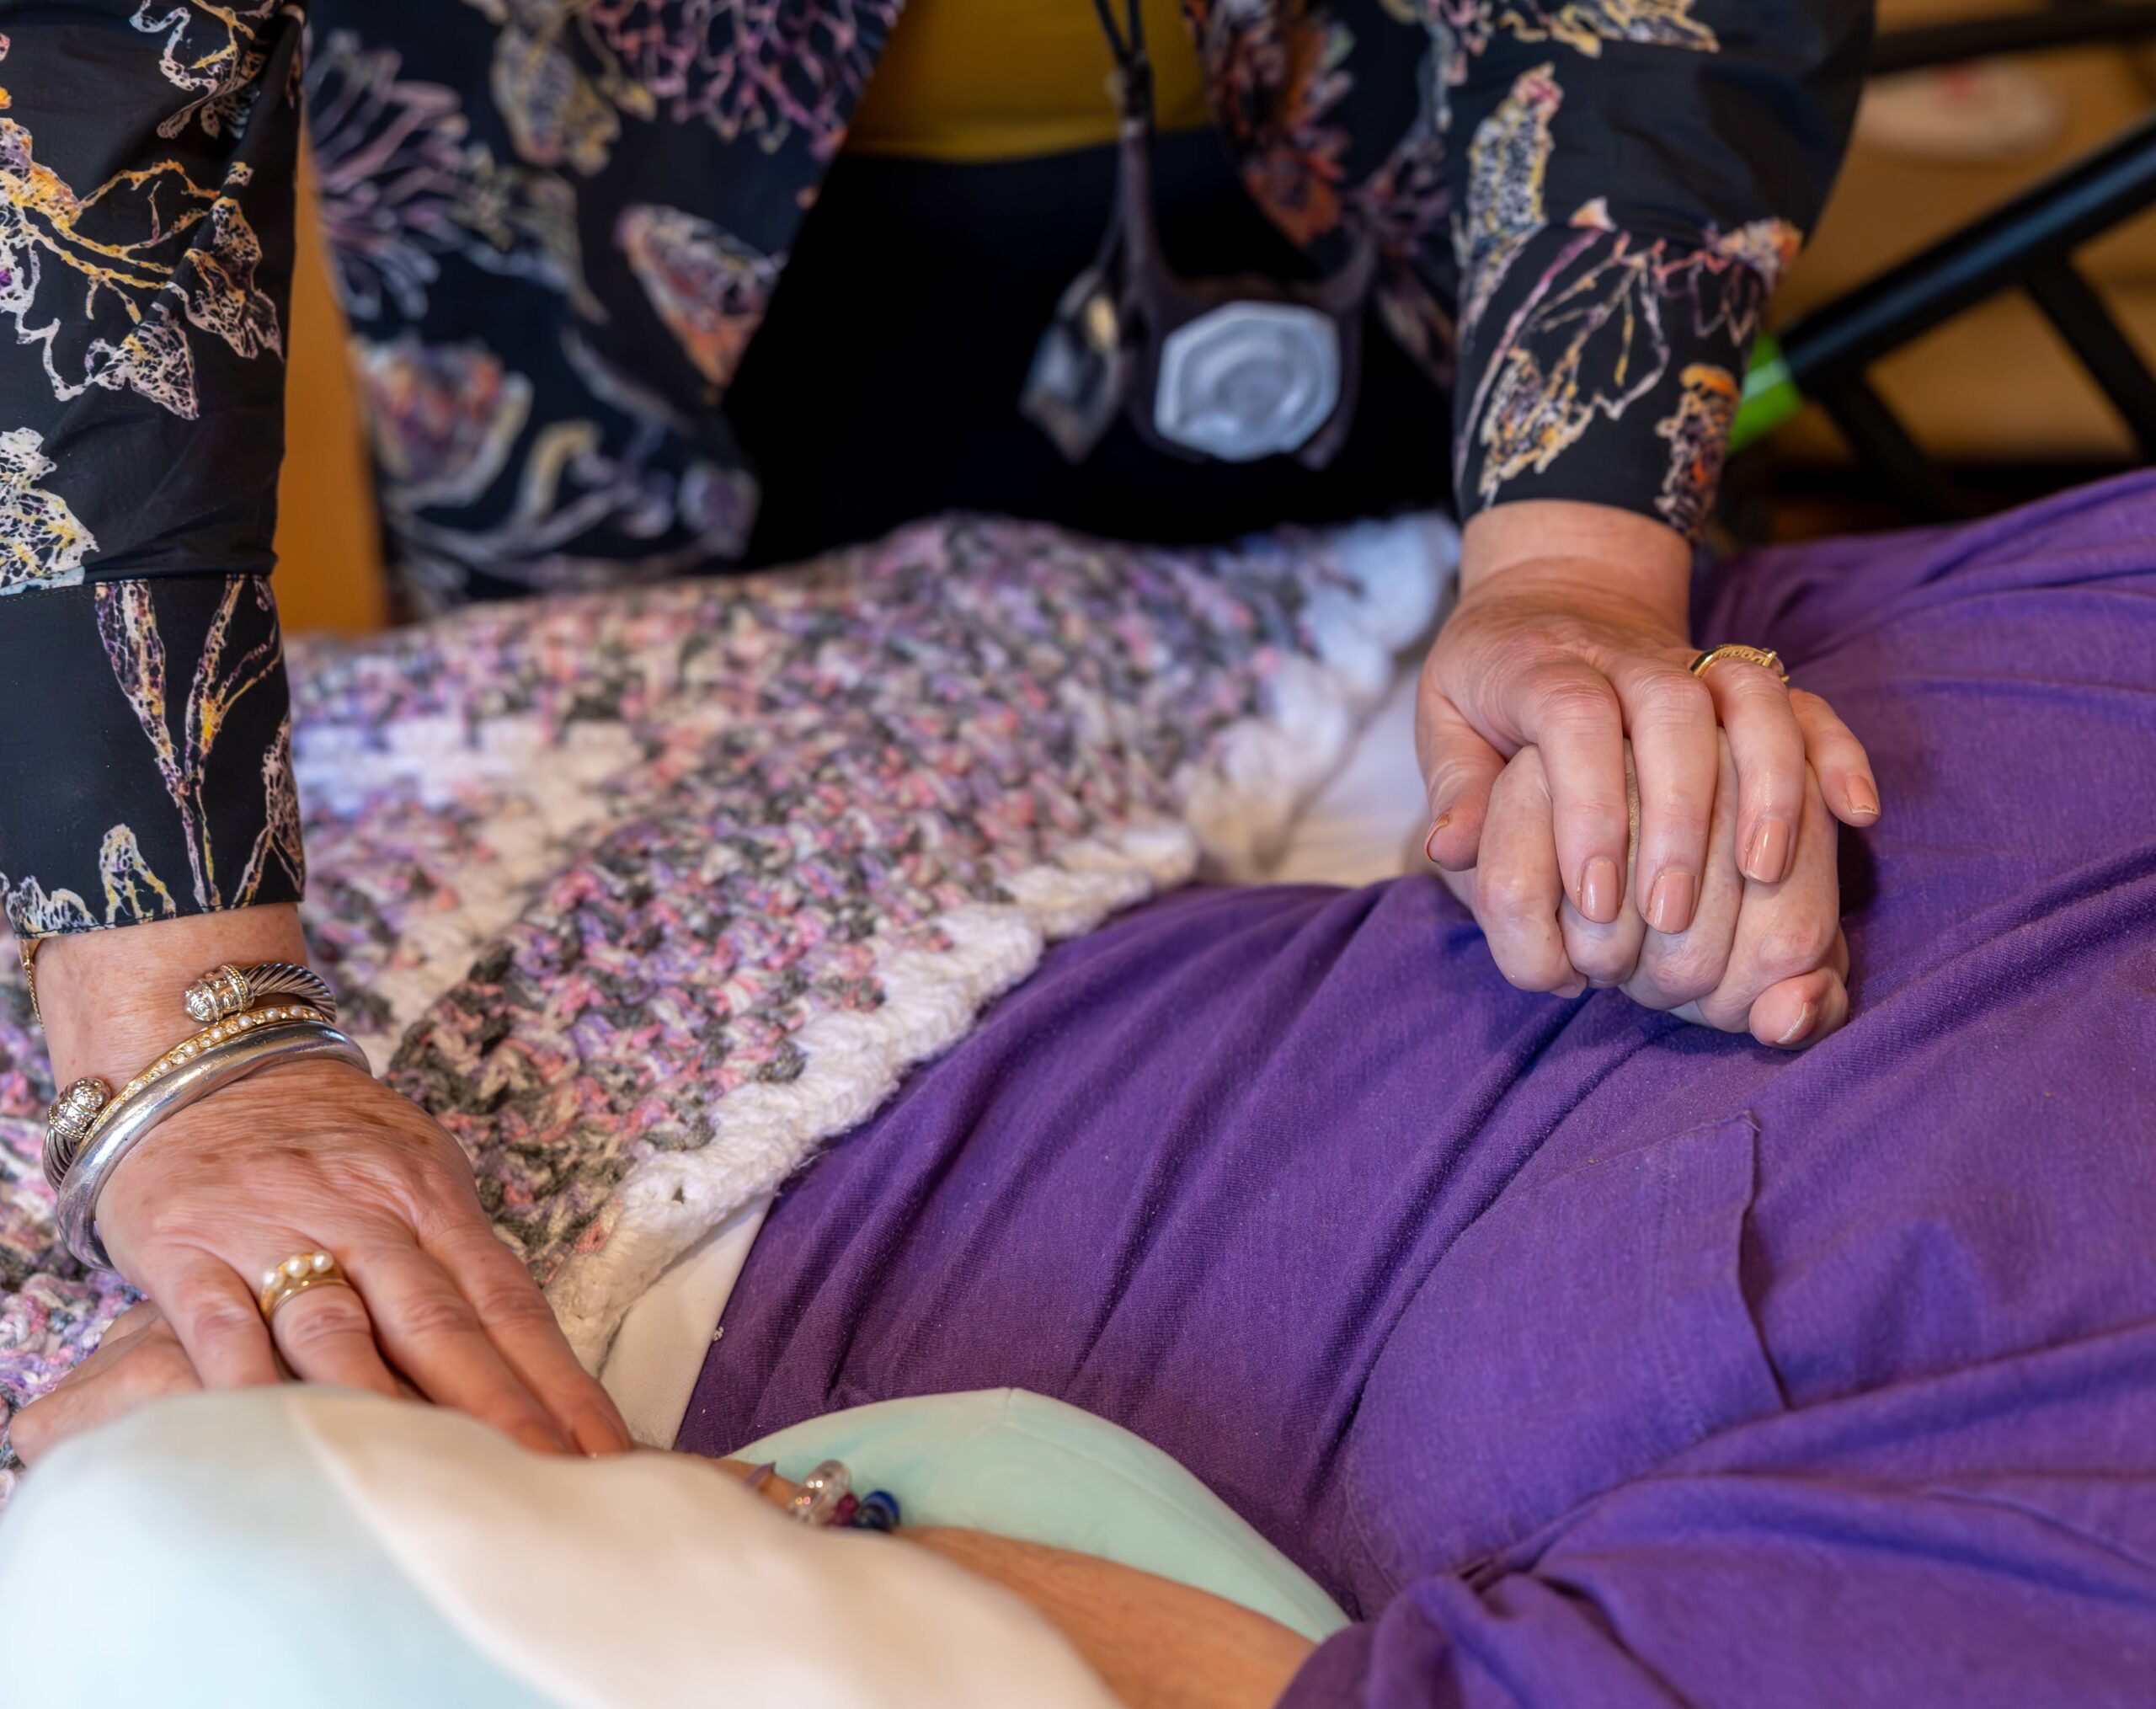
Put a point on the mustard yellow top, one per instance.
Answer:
(976, 80)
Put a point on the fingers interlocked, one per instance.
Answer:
(1754, 708)
(1768, 958)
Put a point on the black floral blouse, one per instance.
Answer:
(555, 225)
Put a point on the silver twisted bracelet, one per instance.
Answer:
(128, 1119)
(230, 989)
(86, 1105)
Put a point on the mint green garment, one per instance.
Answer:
(1019, 1465)
(158, 1548)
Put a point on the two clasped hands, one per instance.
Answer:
(1557, 699)
(1568, 651)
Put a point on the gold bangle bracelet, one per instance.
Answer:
(81, 1112)
(215, 1034)
(133, 1119)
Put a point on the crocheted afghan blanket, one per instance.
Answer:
(645, 894)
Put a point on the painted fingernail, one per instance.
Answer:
(541, 1439)
(1669, 903)
(1430, 842)
(596, 1435)
(1803, 1025)
(1767, 859)
(1864, 800)
(1599, 890)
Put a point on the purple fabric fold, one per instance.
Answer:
(1590, 1358)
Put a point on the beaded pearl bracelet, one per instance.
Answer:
(275, 1011)
(232, 1058)
(81, 1112)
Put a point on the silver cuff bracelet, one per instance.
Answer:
(131, 1120)
(231, 990)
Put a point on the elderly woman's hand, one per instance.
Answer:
(302, 1157)
(316, 1156)
(139, 1360)
(1767, 958)
(1572, 636)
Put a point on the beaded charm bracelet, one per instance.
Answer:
(826, 1500)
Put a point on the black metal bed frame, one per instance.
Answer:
(2026, 245)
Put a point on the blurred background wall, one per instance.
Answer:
(1993, 392)
(328, 548)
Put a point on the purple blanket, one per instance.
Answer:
(1593, 1360)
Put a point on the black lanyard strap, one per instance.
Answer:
(1127, 49)
(1132, 82)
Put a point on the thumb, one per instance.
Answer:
(1459, 768)
(1804, 1010)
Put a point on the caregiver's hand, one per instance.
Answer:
(1570, 635)
(301, 1158)
(1770, 959)
(138, 1360)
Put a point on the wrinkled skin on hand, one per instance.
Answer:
(1656, 785)
(139, 1360)
(316, 1155)
(298, 1157)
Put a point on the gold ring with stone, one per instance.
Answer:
(1764, 657)
(287, 1281)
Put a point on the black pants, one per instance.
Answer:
(884, 383)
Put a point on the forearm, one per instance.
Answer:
(1158, 1644)
(145, 770)
(1631, 184)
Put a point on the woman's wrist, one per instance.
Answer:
(1549, 548)
(110, 1000)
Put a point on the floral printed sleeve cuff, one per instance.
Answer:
(1633, 182)
(148, 157)
(1630, 349)
(166, 788)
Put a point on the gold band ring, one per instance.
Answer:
(294, 1277)
(1764, 657)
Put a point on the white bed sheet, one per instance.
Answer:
(651, 1368)
(1368, 823)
